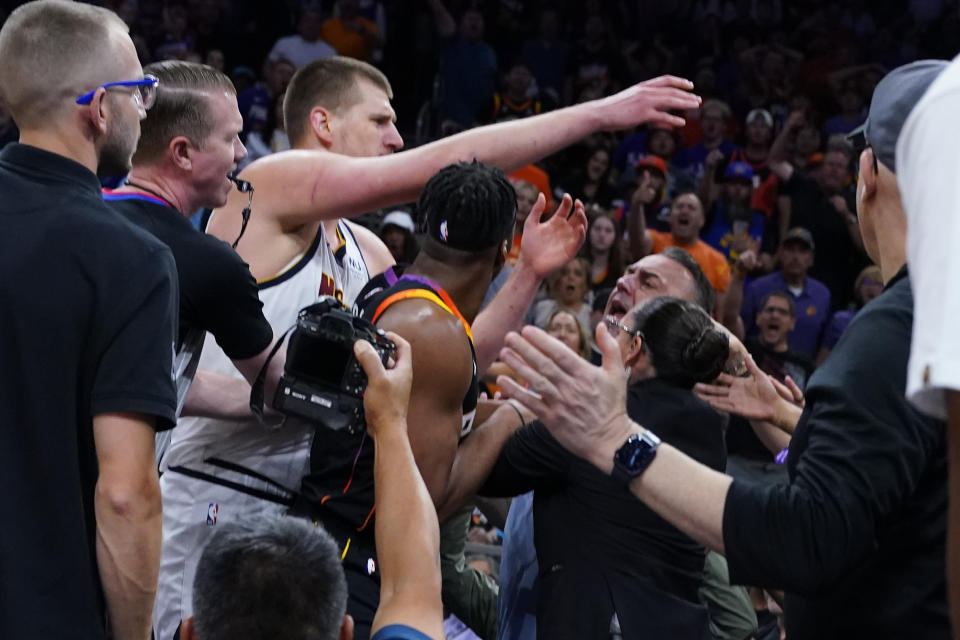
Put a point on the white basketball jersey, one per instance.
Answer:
(321, 271)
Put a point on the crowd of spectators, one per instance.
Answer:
(783, 83)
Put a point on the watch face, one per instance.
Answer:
(635, 455)
(631, 452)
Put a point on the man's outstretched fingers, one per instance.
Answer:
(609, 349)
(515, 391)
(538, 383)
(536, 211)
(554, 359)
(668, 81)
(543, 363)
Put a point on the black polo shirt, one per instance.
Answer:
(600, 549)
(88, 320)
(217, 292)
(857, 539)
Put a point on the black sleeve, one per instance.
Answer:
(135, 369)
(680, 419)
(228, 303)
(860, 451)
(531, 459)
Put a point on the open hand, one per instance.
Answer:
(840, 204)
(649, 101)
(646, 191)
(747, 259)
(752, 397)
(547, 246)
(582, 405)
(789, 391)
(388, 389)
(795, 120)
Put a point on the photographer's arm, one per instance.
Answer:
(407, 532)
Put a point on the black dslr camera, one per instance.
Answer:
(322, 380)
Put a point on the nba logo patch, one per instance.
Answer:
(443, 231)
(213, 509)
(371, 566)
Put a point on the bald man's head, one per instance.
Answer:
(54, 51)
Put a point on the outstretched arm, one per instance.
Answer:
(545, 246)
(754, 397)
(593, 424)
(296, 187)
(443, 21)
(805, 536)
(641, 244)
(779, 157)
(730, 316)
(407, 532)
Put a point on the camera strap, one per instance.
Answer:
(256, 391)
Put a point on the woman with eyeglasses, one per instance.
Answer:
(600, 551)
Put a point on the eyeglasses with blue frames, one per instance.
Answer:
(617, 327)
(146, 90)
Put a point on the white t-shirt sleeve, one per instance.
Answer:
(928, 174)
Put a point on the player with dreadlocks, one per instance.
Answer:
(467, 213)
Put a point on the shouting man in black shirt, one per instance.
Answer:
(857, 538)
(89, 310)
(188, 148)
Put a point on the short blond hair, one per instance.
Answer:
(330, 83)
(181, 108)
(49, 47)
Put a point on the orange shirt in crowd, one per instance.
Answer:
(538, 178)
(346, 41)
(713, 263)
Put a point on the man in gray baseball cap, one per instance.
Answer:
(928, 166)
(893, 99)
(857, 536)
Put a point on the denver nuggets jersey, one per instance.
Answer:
(336, 269)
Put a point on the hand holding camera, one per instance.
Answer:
(323, 382)
(388, 387)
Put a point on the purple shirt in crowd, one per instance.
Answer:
(812, 308)
(835, 328)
